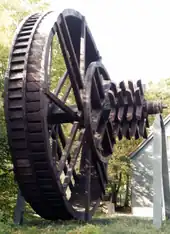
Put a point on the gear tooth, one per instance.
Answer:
(120, 114)
(137, 136)
(114, 88)
(120, 98)
(122, 85)
(131, 87)
(112, 98)
(126, 130)
(145, 134)
(128, 135)
(139, 84)
(130, 98)
(138, 97)
(120, 135)
(142, 127)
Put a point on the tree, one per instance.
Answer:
(119, 168)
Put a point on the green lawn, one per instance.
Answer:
(98, 225)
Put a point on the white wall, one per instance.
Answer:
(142, 178)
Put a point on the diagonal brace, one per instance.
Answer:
(60, 104)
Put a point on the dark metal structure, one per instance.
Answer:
(19, 209)
(63, 174)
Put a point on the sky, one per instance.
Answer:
(132, 36)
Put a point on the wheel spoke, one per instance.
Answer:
(83, 48)
(95, 95)
(50, 62)
(63, 142)
(70, 69)
(99, 83)
(67, 148)
(62, 105)
(71, 51)
(65, 96)
(57, 151)
(102, 175)
(61, 83)
(73, 160)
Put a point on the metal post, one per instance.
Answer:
(19, 209)
(157, 173)
(165, 172)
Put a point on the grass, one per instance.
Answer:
(118, 225)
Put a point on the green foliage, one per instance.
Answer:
(88, 229)
(120, 161)
(159, 91)
(8, 193)
(119, 168)
(117, 225)
(57, 64)
(3, 64)
(11, 13)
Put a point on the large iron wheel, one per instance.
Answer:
(62, 175)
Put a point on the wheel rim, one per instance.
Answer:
(97, 86)
(28, 132)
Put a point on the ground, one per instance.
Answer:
(118, 225)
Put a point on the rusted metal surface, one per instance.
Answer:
(63, 173)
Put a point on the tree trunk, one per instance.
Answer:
(115, 191)
(126, 203)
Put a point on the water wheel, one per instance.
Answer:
(61, 131)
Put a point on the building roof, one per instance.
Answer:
(145, 142)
